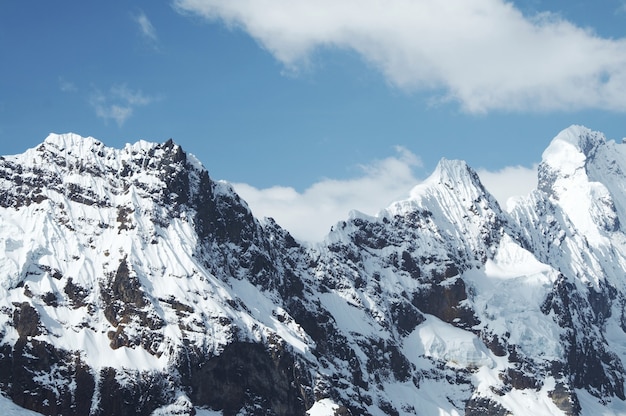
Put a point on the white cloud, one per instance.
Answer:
(508, 183)
(484, 54)
(67, 86)
(145, 26)
(310, 214)
(132, 98)
(119, 103)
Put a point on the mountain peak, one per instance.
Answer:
(449, 173)
(452, 180)
(66, 146)
(571, 148)
(451, 170)
(72, 146)
(71, 140)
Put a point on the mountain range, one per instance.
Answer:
(132, 283)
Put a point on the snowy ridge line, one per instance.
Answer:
(129, 273)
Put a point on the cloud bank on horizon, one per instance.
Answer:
(484, 54)
(309, 215)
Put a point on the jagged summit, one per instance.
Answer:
(132, 283)
(77, 144)
(71, 151)
(72, 141)
(449, 172)
(457, 204)
(571, 148)
(452, 180)
(581, 137)
(580, 174)
(73, 147)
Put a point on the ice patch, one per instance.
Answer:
(454, 346)
(8, 408)
(507, 295)
(323, 407)
(591, 406)
(207, 412)
(532, 402)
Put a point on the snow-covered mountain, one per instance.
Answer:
(131, 283)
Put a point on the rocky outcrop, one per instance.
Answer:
(247, 375)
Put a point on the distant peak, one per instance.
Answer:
(451, 182)
(580, 136)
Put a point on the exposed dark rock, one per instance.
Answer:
(565, 399)
(75, 293)
(222, 217)
(123, 296)
(245, 371)
(369, 234)
(481, 406)
(547, 176)
(26, 320)
(81, 195)
(385, 360)
(410, 265)
(174, 174)
(494, 343)
(520, 379)
(125, 301)
(601, 301)
(40, 377)
(342, 411)
(316, 325)
(405, 316)
(589, 364)
(319, 324)
(27, 189)
(50, 299)
(147, 392)
(444, 301)
(388, 408)
(180, 308)
(123, 217)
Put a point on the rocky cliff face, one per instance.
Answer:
(134, 284)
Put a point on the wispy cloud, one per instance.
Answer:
(509, 183)
(119, 103)
(146, 28)
(484, 54)
(67, 86)
(309, 215)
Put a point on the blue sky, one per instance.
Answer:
(299, 101)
